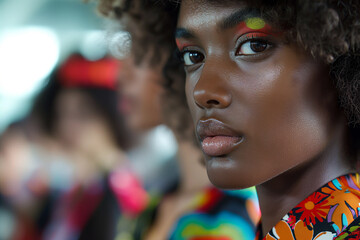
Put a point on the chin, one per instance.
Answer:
(225, 176)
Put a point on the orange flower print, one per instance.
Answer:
(313, 207)
(282, 230)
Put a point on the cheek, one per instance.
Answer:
(291, 137)
(287, 125)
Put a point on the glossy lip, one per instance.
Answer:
(223, 140)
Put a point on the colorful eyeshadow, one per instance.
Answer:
(255, 24)
(180, 45)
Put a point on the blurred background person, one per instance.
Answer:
(65, 174)
(40, 164)
(22, 191)
(192, 208)
(34, 38)
(154, 158)
(79, 108)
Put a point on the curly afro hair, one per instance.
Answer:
(146, 21)
(335, 40)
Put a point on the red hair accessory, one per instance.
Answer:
(80, 72)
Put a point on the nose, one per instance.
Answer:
(211, 90)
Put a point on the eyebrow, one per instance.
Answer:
(237, 17)
(228, 22)
(183, 33)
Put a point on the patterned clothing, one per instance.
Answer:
(331, 212)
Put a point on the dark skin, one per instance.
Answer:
(272, 95)
(141, 90)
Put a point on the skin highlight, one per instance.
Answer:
(278, 98)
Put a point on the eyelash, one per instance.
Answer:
(259, 37)
(182, 52)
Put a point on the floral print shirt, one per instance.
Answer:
(331, 212)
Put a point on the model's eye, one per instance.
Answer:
(191, 58)
(252, 47)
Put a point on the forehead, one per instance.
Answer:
(212, 13)
(198, 11)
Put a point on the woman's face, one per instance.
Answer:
(79, 125)
(260, 106)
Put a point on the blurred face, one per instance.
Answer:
(259, 105)
(79, 125)
(140, 90)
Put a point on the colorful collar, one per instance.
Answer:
(332, 212)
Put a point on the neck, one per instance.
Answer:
(290, 188)
(193, 177)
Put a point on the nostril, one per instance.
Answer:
(211, 96)
(213, 102)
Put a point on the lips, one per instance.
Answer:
(216, 138)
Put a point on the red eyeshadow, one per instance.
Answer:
(181, 46)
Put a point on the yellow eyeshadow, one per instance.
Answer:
(255, 23)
